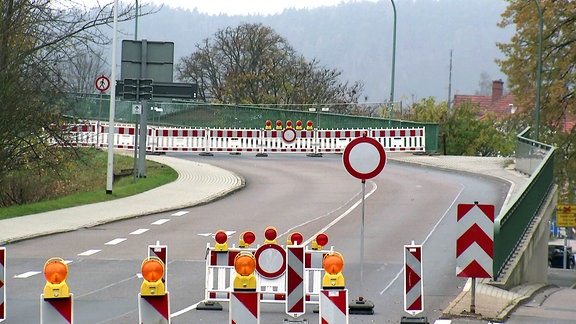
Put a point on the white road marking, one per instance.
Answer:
(187, 309)
(140, 231)
(180, 213)
(115, 241)
(89, 252)
(27, 274)
(161, 221)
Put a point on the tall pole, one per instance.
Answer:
(393, 66)
(538, 73)
(136, 23)
(450, 82)
(110, 169)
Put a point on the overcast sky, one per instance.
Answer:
(237, 7)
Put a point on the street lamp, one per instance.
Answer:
(393, 66)
(538, 73)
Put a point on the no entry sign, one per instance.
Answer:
(364, 158)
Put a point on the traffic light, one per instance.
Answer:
(245, 264)
(333, 264)
(145, 89)
(130, 89)
(152, 272)
(221, 241)
(56, 272)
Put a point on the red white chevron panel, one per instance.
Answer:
(475, 243)
(2, 281)
(295, 301)
(244, 307)
(413, 296)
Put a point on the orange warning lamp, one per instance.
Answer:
(245, 264)
(270, 234)
(246, 238)
(56, 272)
(320, 241)
(221, 241)
(152, 272)
(333, 264)
(294, 239)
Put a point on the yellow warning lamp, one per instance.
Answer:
(320, 241)
(309, 125)
(246, 238)
(298, 125)
(279, 124)
(245, 264)
(56, 272)
(294, 239)
(221, 241)
(268, 124)
(152, 272)
(333, 264)
(270, 233)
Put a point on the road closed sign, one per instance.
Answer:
(364, 158)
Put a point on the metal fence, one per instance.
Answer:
(207, 115)
(537, 160)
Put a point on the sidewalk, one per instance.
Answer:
(209, 183)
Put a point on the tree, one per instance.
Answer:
(558, 97)
(252, 64)
(36, 38)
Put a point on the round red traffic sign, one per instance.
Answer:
(364, 158)
(289, 135)
(270, 260)
(102, 83)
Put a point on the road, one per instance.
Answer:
(293, 193)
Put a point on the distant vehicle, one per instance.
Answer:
(556, 256)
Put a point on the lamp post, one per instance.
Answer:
(393, 66)
(538, 73)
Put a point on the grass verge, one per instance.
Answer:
(92, 171)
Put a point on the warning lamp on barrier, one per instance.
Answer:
(268, 124)
(279, 124)
(245, 264)
(56, 272)
(152, 272)
(320, 241)
(246, 238)
(298, 124)
(221, 241)
(309, 125)
(289, 124)
(333, 264)
(270, 234)
(294, 239)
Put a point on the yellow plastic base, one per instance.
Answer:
(153, 288)
(245, 282)
(333, 281)
(60, 290)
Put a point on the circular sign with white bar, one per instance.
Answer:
(270, 260)
(364, 158)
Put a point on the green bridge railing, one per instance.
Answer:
(537, 160)
(207, 115)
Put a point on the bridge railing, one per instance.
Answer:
(511, 226)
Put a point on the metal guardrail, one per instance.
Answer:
(537, 160)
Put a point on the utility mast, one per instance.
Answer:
(450, 81)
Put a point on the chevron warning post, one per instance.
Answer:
(413, 282)
(2, 282)
(295, 301)
(475, 240)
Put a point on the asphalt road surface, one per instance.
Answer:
(292, 193)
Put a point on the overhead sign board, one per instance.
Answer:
(157, 56)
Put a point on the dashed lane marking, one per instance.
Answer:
(140, 231)
(115, 241)
(89, 252)
(161, 221)
(180, 213)
(27, 274)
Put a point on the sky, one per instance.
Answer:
(237, 7)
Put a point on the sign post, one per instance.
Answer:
(364, 158)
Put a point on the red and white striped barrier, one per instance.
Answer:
(288, 140)
(334, 306)
(154, 309)
(244, 307)
(295, 301)
(57, 310)
(2, 284)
